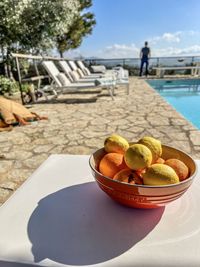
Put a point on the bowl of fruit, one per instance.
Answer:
(142, 174)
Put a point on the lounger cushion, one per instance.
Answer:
(80, 72)
(80, 64)
(75, 75)
(86, 71)
(69, 76)
(63, 79)
(98, 69)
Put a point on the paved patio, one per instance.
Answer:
(80, 128)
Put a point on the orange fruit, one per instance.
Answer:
(160, 160)
(127, 176)
(179, 167)
(111, 163)
(140, 172)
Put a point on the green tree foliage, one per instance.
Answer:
(81, 27)
(35, 24)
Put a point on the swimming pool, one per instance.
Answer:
(183, 95)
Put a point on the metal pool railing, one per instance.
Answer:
(133, 64)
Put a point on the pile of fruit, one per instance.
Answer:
(140, 163)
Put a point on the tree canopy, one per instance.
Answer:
(81, 27)
(35, 24)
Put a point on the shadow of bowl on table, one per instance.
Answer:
(16, 264)
(80, 225)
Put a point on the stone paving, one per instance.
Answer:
(80, 128)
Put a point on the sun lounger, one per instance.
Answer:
(87, 72)
(61, 83)
(96, 68)
(75, 75)
(119, 74)
(122, 77)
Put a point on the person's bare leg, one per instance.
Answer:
(38, 117)
(21, 120)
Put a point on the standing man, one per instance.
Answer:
(145, 54)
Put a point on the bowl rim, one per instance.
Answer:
(148, 186)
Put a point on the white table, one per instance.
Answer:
(59, 217)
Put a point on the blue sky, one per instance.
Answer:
(172, 28)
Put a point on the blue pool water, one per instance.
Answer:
(183, 95)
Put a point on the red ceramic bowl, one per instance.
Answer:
(143, 196)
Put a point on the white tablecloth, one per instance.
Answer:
(59, 217)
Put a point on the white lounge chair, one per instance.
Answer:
(120, 75)
(87, 72)
(61, 83)
(75, 75)
(84, 71)
(101, 68)
(66, 69)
